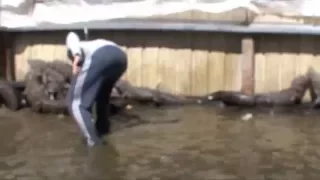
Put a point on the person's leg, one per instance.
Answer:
(102, 107)
(81, 96)
(69, 97)
(102, 110)
(116, 66)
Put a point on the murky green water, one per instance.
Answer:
(207, 144)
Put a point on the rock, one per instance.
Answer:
(247, 117)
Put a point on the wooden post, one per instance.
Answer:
(247, 65)
(8, 57)
(8, 62)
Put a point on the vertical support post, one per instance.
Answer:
(9, 60)
(86, 33)
(248, 65)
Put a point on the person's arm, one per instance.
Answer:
(75, 64)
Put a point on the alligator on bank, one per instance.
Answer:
(46, 84)
(9, 96)
(315, 87)
(286, 97)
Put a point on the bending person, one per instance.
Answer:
(97, 65)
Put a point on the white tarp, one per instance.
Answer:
(26, 13)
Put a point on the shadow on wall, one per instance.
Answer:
(41, 38)
(295, 44)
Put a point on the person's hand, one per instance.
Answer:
(75, 67)
(75, 70)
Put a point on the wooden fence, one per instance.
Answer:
(191, 62)
(278, 59)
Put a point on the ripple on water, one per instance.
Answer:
(206, 144)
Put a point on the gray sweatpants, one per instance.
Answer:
(94, 84)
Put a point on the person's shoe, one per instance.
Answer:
(101, 142)
(102, 130)
(102, 133)
(93, 143)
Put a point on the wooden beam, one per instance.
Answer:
(247, 65)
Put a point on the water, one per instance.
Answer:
(206, 144)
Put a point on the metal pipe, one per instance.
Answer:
(161, 25)
(86, 33)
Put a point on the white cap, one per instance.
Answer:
(72, 40)
(73, 43)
